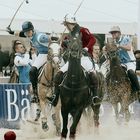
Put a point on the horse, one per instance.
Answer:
(118, 84)
(74, 91)
(46, 86)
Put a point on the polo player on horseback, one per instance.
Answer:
(88, 40)
(40, 42)
(126, 56)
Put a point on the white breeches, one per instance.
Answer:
(40, 60)
(96, 67)
(131, 65)
(104, 69)
(85, 62)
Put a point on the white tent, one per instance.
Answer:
(56, 26)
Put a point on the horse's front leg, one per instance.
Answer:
(43, 104)
(76, 117)
(125, 107)
(64, 114)
(56, 118)
(96, 110)
(116, 110)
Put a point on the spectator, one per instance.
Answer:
(10, 135)
(137, 55)
(104, 62)
(22, 62)
(96, 55)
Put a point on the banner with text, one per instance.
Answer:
(14, 104)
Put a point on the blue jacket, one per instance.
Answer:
(125, 56)
(40, 41)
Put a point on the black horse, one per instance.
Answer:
(74, 91)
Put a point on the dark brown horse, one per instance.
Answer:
(118, 84)
(75, 91)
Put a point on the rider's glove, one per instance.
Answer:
(10, 31)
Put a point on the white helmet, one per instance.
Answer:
(69, 19)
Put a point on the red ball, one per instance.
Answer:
(10, 135)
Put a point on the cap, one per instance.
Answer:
(115, 29)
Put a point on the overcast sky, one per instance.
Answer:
(90, 10)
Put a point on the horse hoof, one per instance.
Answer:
(45, 126)
(72, 138)
(58, 132)
(62, 138)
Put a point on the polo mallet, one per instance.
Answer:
(74, 15)
(17, 12)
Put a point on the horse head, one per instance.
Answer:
(112, 51)
(116, 69)
(54, 53)
(75, 48)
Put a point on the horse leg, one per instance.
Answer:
(115, 107)
(76, 118)
(64, 132)
(43, 105)
(96, 110)
(45, 126)
(125, 107)
(56, 119)
(88, 115)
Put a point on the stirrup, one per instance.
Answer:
(94, 102)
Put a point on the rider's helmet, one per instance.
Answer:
(54, 36)
(69, 19)
(115, 29)
(27, 26)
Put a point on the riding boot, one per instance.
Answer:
(57, 81)
(94, 87)
(134, 82)
(34, 80)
